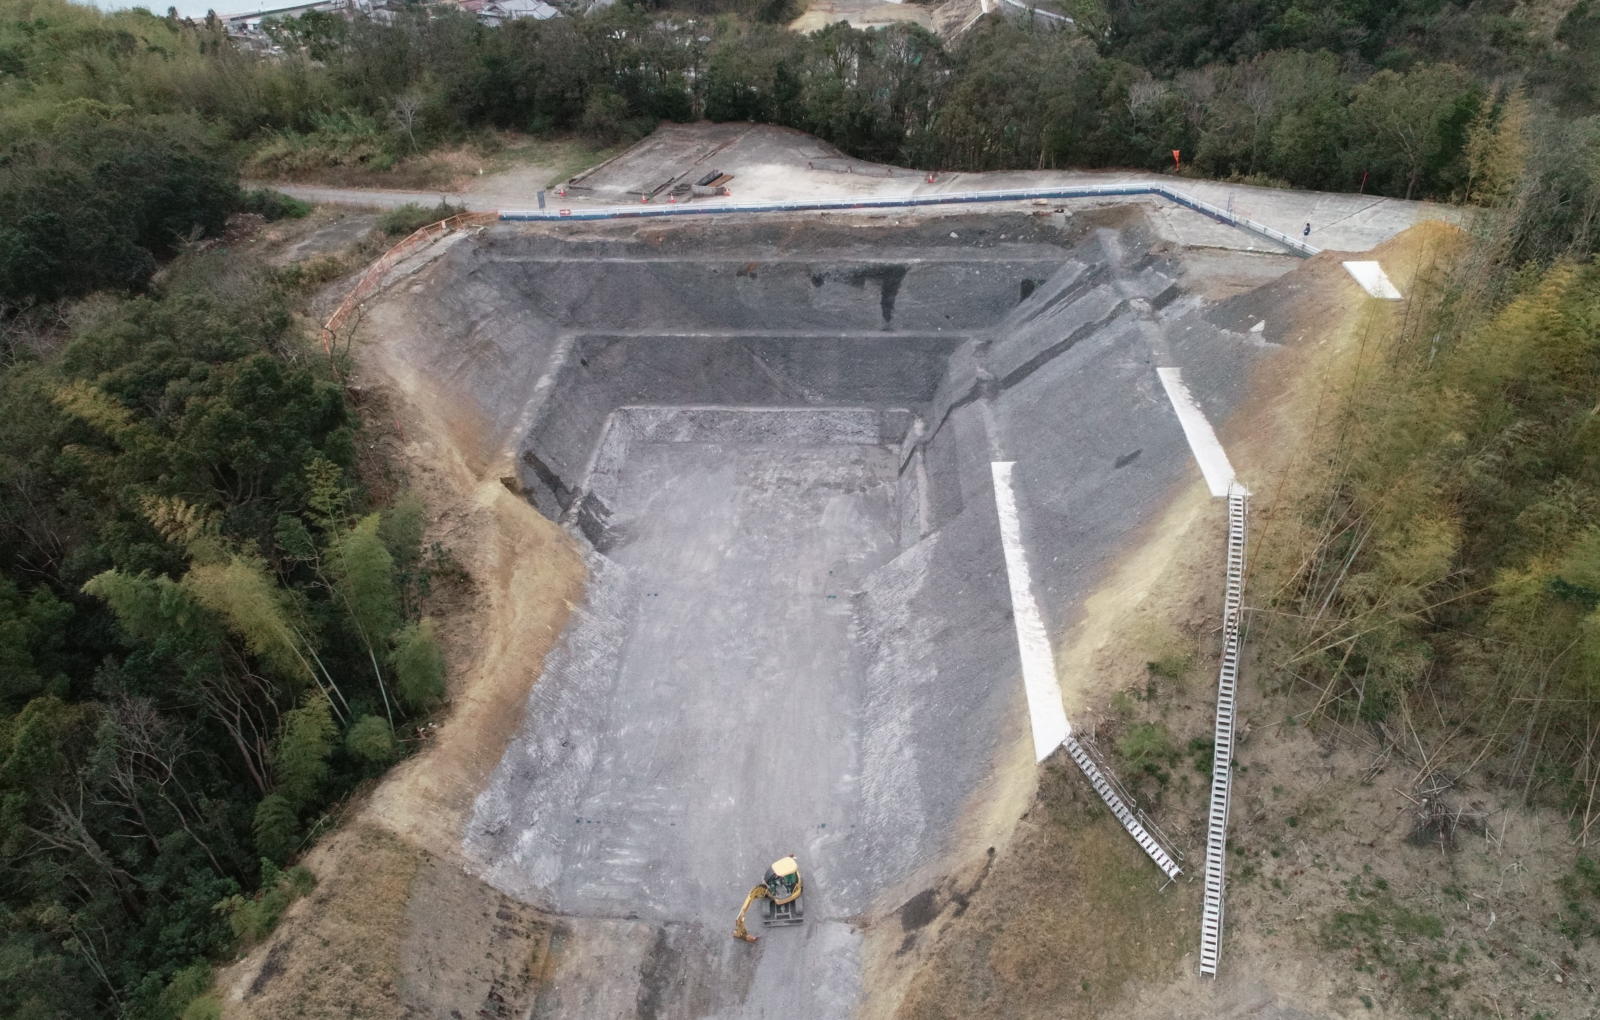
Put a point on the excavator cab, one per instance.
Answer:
(783, 880)
(781, 889)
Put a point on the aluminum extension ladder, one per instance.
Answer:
(1222, 759)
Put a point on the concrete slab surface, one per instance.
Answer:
(730, 709)
(1373, 279)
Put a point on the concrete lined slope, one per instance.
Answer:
(942, 699)
(491, 317)
(1066, 387)
(599, 374)
(845, 290)
(797, 636)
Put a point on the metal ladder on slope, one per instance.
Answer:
(1119, 807)
(1222, 755)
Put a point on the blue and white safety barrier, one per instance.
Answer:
(1223, 216)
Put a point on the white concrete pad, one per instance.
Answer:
(1208, 452)
(1045, 711)
(1373, 280)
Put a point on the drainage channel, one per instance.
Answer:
(1049, 719)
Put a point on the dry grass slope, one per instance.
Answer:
(1057, 924)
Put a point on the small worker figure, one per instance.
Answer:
(1306, 232)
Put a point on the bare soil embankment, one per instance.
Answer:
(396, 927)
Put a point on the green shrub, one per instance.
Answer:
(206, 1007)
(252, 918)
(401, 530)
(187, 986)
(403, 220)
(341, 140)
(1172, 666)
(1580, 889)
(306, 741)
(1147, 746)
(273, 205)
(418, 665)
(277, 826)
(371, 740)
(313, 272)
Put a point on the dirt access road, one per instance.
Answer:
(777, 164)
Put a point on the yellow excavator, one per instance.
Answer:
(781, 890)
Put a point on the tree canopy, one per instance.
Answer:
(1379, 98)
(177, 497)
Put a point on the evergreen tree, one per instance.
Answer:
(371, 740)
(276, 827)
(300, 762)
(419, 665)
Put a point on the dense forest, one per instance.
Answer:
(209, 633)
(206, 633)
(209, 630)
(1451, 584)
(1393, 99)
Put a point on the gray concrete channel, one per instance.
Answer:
(774, 441)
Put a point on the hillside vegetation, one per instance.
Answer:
(1452, 580)
(209, 631)
(207, 634)
(1398, 99)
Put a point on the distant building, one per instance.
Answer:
(498, 12)
(248, 23)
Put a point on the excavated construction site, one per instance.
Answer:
(772, 439)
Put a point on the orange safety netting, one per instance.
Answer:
(372, 279)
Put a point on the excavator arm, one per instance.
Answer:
(739, 930)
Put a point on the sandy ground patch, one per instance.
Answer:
(392, 931)
(860, 14)
(325, 232)
(506, 170)
(526, 576)
(1057, 923)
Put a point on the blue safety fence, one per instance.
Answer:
(644, 211)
